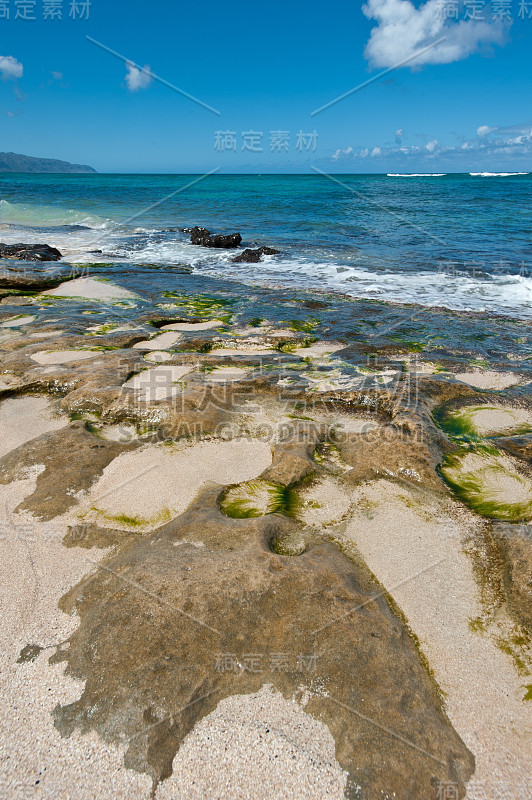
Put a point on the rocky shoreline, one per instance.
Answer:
(287, 497)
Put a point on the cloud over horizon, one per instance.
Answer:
(490, 142)
(403, 29)
(137, 78)
(10, 68)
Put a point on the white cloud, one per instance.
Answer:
(10, 68)
(514, 140)
(137, 78)
(342, 153)
(57, 76)
(403, 29)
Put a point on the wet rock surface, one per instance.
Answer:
(30, 278)
(30, 252)
(203, 237)
(232, 595)
(72, 459)
(516, 548)
(165, 612)
(249, 256)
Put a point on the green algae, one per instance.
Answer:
(304, 326)
(478, 487)
(328, 455)
(514, 645)
(528, 693)
(135, 522)
(103, 329)
(456, 425)
(199, 305)
(459, 424)
(286, 345)
(257, 498)
(481, 363)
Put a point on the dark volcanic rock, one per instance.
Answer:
(203, 237)
(30, 252)
(197, 234)
(254, 256)
(161, 613)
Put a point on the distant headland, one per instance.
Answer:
(14, 162)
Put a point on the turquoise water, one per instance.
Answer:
(459, 241)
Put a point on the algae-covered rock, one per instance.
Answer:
(476, 421)
(256, 498)
(489, 483)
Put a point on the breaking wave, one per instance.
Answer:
(40, 216)
(496, 174)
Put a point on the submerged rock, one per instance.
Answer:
(31, 279)
(30, 252)
(249, 256)
(203, 237)
(16, 300)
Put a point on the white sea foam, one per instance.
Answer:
(508, 294)
(416, 174)
(496, 174)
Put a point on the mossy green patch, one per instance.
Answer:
(136, 522)
(256, 498)
(457, 425)
(103, 329)
(469, 423)
(515, 646)
(200, 305)
(489, 484)
(304, 326)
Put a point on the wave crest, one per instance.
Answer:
(40, 216)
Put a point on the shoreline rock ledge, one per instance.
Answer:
(30, 252)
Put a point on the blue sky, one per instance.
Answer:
(459, 103)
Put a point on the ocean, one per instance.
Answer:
(461, 241)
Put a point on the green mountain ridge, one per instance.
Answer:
(14, 162)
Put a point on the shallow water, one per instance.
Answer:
(459, 241)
